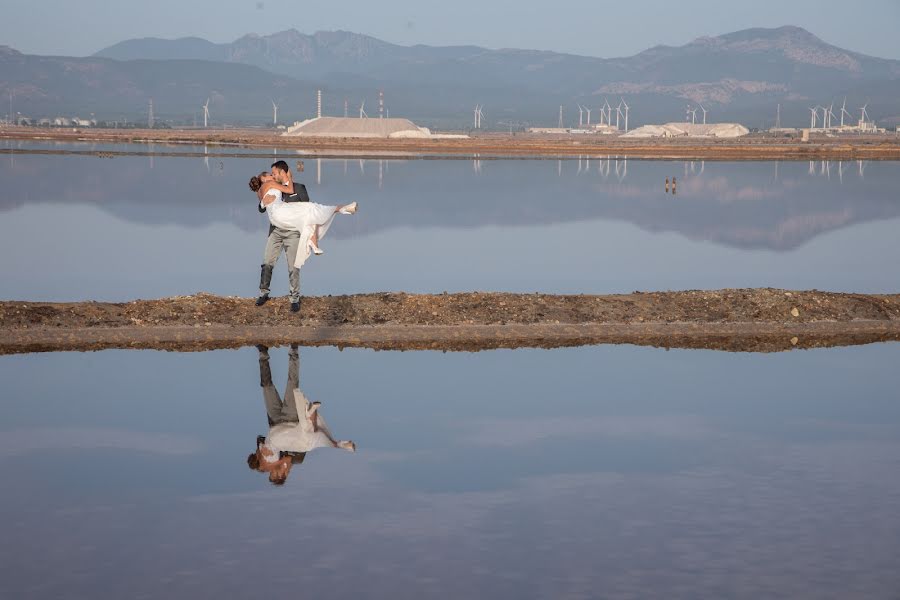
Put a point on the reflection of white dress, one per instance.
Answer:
(302, 217)
(300, 436)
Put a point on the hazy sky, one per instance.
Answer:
(578, 26)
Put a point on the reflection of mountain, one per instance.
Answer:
(738, 205)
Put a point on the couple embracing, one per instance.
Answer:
(295, 225)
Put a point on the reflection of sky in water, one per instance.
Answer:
(584, 472)
(74, 227)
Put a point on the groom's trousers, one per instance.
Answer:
(280, 409)
(278, 240)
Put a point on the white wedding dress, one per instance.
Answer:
(302, 217)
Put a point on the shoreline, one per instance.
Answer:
(752, 147)
(749, 320)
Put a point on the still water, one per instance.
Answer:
(593, 472)
(608, 471)
(82, 227)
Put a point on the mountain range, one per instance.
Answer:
(739, 76)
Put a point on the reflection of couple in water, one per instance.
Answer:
(297, 225)
(295, 425)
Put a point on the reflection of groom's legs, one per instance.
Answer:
(293, 382)
(274, 405)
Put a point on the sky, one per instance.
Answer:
(588, 27)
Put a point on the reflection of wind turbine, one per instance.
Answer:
(274, 113)
(620, 175)
(206, 113)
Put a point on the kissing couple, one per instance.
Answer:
(291, 213)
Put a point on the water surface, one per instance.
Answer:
(593, 472)
(610, 471)
(82, 227)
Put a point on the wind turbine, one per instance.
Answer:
(362, 110)
(844, 111)
(580, 115)
(625, 104)
(206, 113)
(863, 119)
(475, 113)
(704, 113)
(274, 113)
(814, 115)
(830, 114)
(618, 113)
(824, 114)
(606, 111)
(588, 111)
(480, 116)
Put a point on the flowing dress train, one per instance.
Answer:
(303, 217)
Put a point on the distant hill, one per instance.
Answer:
(739, 76)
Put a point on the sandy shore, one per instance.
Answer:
(731, 319)
(753, 147)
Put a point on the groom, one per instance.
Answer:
(282, 239)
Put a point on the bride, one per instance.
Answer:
(310, 219)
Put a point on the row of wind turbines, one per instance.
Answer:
(828, 115)
(206, 113)
(605, 114)
(690, 113)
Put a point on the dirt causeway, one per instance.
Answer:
(486, 145)
(731, 319)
